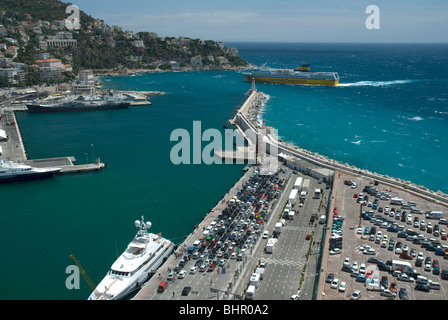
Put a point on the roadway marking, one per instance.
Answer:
(293, 228)
(289, 263)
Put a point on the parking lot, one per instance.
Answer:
(215, 264)
(385, 231)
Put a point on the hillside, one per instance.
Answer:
(31, 29)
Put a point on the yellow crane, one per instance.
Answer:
(84, 274)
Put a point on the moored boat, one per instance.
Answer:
(142, 257)
(12, 172)
(78, 103)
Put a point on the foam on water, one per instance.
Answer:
(375, 83)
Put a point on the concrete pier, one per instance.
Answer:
(66, 164)
(14, 149)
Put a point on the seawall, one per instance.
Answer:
(293, 155)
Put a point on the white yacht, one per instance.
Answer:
(11, 171)
(143, 256)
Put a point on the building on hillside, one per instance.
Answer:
(12, 76)
(196, 62)
(50, 69)
(56, 42)
(138, 44)
(42, 55)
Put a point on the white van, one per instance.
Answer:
(250, 293)
(422, 279)
(434, 285)
(197, 243)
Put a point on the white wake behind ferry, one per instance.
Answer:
(143, 256)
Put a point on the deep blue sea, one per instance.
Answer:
(389, 115)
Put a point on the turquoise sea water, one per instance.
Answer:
(390, 115)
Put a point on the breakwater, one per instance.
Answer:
(247, 118)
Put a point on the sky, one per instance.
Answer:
(277, 20)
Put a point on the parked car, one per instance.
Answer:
(422, 287)
(334, 284)
(347, 269)
(403, 294)
(387, 293)
(356, 295)
(374, 260)
(370, 251)
(194, 269)
(384, 284)
(330, 278)
(444, 275)
(393, 287)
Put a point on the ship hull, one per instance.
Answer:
(288, 80)
(33, 108)
(26, 177)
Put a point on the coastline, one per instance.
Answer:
(252, 114)
(130, 72)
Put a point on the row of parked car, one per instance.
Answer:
(388, 220)
(234, 230)
(335, 246)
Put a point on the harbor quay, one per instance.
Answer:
(13, 149)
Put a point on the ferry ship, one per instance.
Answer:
(301, 75)
(11, 172)
(142, 257)
(61, 103)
